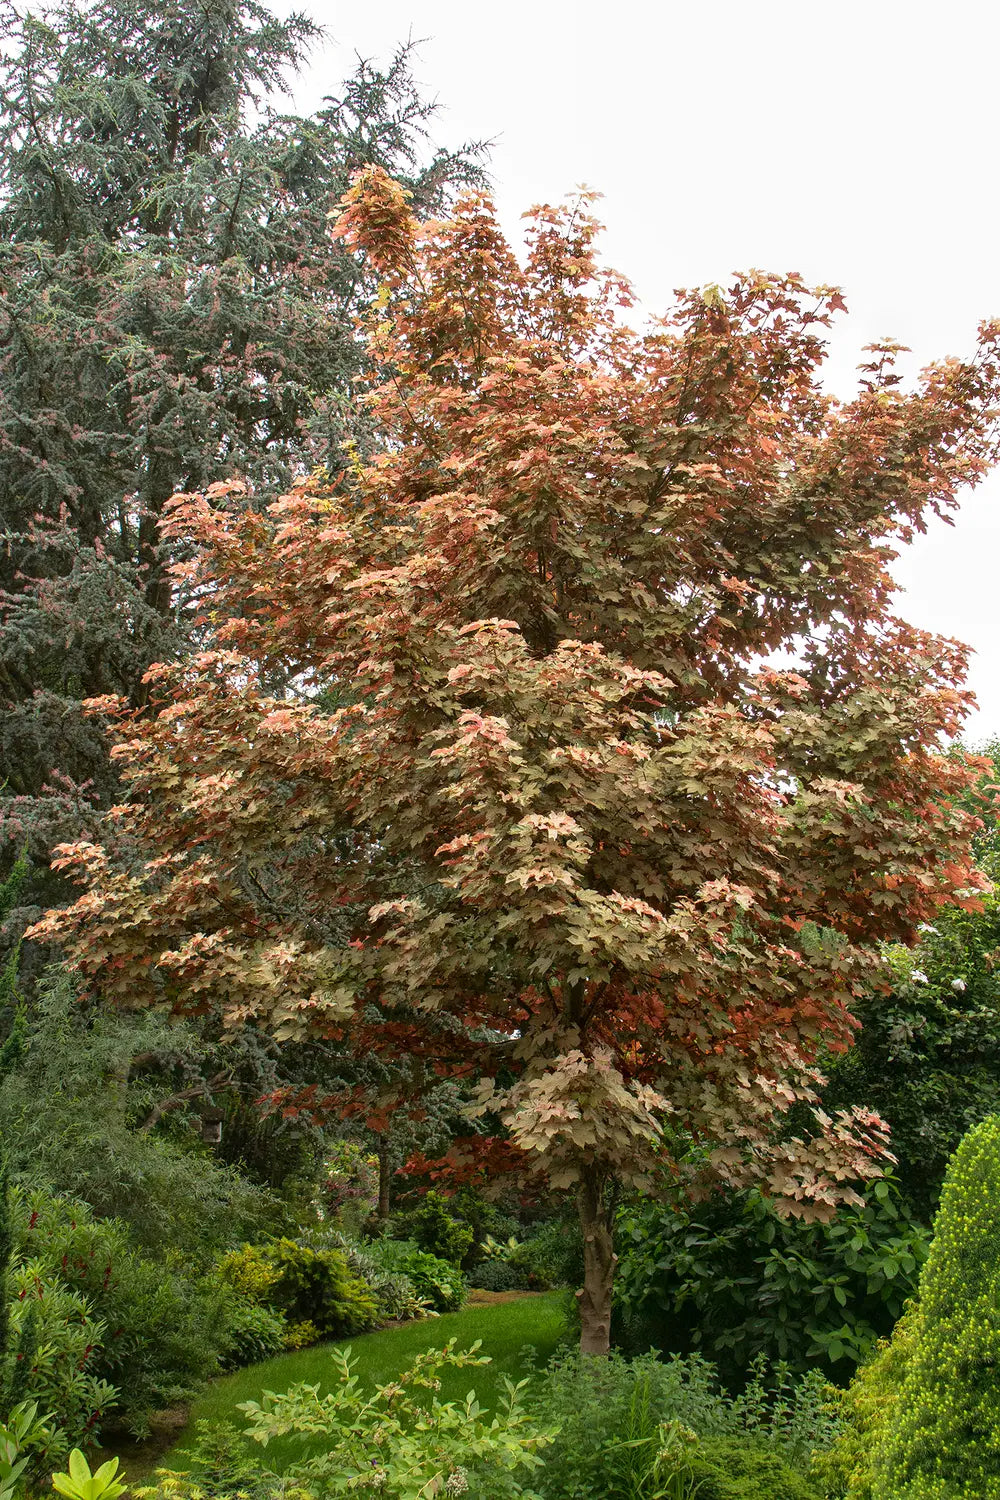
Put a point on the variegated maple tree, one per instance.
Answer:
(490, 757)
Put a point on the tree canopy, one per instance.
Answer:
(173, 312)
(534, 779)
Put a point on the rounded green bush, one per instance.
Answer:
(728, 1469)
(943, 1437)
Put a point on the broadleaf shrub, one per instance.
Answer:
(64, 1378)
(253, 1333)
(609, 1416)
(434, 1228)
(733, 1280)
(436, 1281)
(400, 1440)
(163, 1332)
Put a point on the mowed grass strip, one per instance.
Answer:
(507, 1330)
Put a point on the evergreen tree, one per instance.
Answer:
(943, 1437)
(173, 313)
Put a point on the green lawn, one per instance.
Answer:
(505, 1328)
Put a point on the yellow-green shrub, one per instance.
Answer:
(942, 1439)
(249, 1272)
(865, 1408)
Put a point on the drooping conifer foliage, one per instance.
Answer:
(173, 312)
(535, 786)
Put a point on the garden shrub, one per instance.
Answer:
(551, 1256)
(730, 1469)
(301, 1335)
(64, 1380)
(253, 1333)
(318, 1286)
(847, 1466)
(249, 1272)
(495, 1276)
(611, 1415)
(736, 1280)
(436, 1281)
(163, 1331)
(401, 1441)
(395, 1295)
(942, 1439)
(433, 1228)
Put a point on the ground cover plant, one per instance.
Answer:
(586, 845)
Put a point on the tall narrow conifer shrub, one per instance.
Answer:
(943, 1440)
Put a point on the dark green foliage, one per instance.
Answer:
(318, 1286)
(494, 1276)
(550, 1256)
(13, 1025)
(253, 1333)
(433, 1227)
(6, 1252)
(438, 1282)
(163, 1331)
(101, 1075)
(174, 313)
(615, 1415)
(943, 1435)
(735, 1281)
(928, 1055)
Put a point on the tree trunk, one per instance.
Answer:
(383, 1177)
(599, 1261)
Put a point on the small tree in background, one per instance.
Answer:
(942, 1439)
(532, 791)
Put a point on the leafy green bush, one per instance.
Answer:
(401, 1441)
(318, 1286)
(63, 1380)
(494, 1276)
(253, 1333)
(736, 1280)
(551, 1256)
(927, 1057)
(162, 1331)
(611, 1417)
(437, 1282)
(942, 1436)
(433, 1228)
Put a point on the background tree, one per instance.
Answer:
(927, 1057)
(557, 819)
(172, 313)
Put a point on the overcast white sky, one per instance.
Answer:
(857, 143)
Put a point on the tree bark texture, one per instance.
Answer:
(599, 1261)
